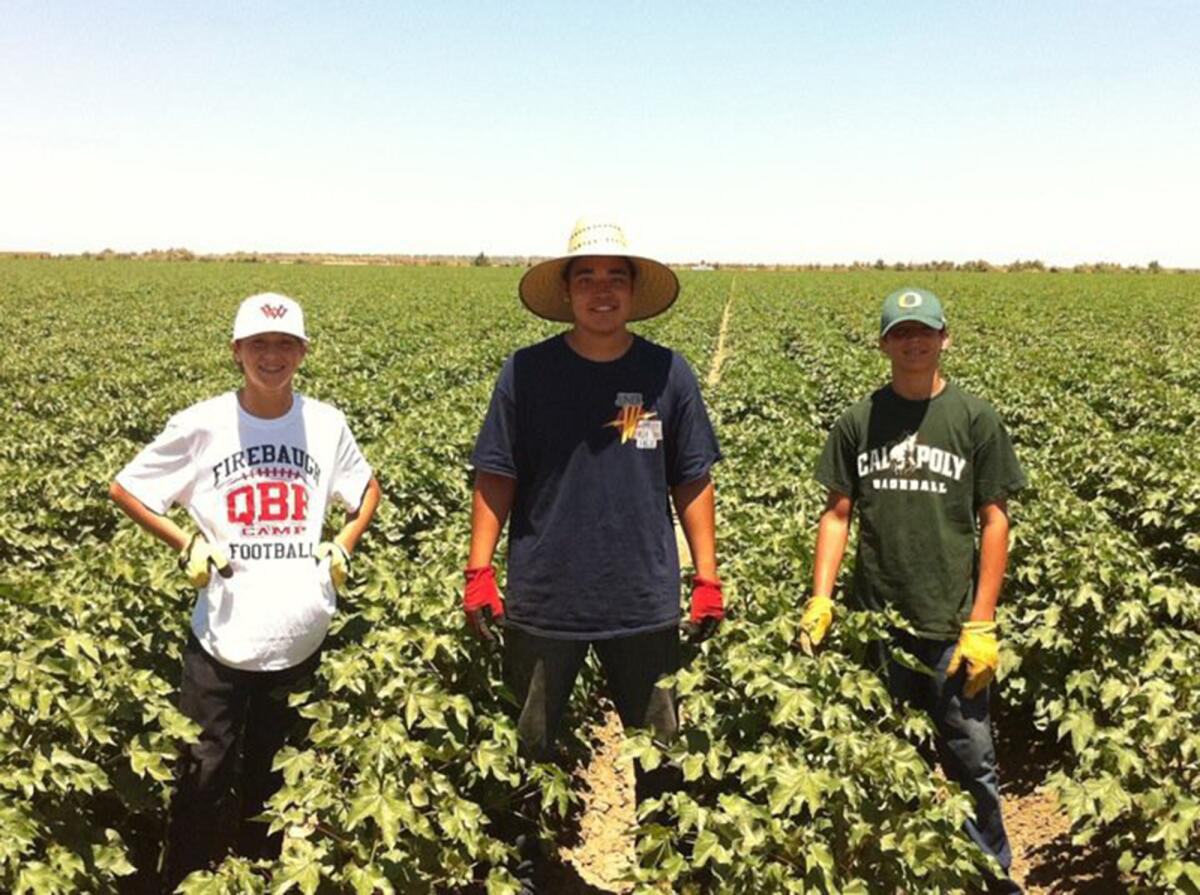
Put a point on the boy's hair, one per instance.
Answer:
(566, 271)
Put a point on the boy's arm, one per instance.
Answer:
(357, 522)
(993, 558)
(196, 555)
(159, 526)
(491, 501)
(977, 644)
(833, 531)
(695, 504)
(490, 505)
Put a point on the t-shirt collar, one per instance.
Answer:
(246, 418)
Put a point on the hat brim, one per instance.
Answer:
(932, 322)
(544, 291)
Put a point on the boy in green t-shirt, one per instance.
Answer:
(929, 468)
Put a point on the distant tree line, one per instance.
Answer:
(977, 266)
(483, 260)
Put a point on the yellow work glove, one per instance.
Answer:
(197, 556)
(978, 645)
(814, 623)
(339, 561)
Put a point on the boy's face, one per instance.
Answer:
(914, 347)
(600, 288)
(270, 360)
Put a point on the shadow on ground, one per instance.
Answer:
(1045, 859)
(563, 879)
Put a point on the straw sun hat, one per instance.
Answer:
(544, 291)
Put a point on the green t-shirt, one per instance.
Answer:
(918, 472)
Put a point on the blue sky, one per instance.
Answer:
(756, 131)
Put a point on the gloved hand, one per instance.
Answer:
(708, 609)
(339, 561)
(815, 620)
(978, 645)
(481, 601)
(195, 558)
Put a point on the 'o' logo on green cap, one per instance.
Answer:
(909, 300)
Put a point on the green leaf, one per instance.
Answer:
(383, 806)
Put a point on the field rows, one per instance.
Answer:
(801, 775)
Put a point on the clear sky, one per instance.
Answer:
(728, 131)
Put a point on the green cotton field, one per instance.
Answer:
(802, 777)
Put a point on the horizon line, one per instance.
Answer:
(482, 259)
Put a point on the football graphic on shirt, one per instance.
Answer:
(265, 490)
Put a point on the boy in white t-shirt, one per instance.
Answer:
(255, 469)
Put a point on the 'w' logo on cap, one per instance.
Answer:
(274, 311)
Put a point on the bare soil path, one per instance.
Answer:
(604, 852)
(1045, 861)
(710, 381)
(718, 358)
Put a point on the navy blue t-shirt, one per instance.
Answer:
(595, 448)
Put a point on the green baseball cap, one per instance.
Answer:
(920, 305)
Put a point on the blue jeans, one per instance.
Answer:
(964, 738)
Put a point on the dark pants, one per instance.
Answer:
(235, 709)
(541, 672)
(964, 738)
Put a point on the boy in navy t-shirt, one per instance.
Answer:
(589, 438)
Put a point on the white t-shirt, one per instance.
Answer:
(258, 489)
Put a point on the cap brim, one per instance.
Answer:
(931, 322)
(544, 292)
(251, 333)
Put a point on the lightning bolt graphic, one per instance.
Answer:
(627, 420)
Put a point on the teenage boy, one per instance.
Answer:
(924, 464)
(589, 438)
(255, 469)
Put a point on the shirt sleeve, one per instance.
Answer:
(691, 443)
(496, 447)
(836, 468)
(998, 473)
(162, 474)
(352, 473)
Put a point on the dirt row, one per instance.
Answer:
(1045, 860)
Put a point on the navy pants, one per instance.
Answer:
(244, 720)
(964, 738)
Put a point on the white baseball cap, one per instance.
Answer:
(269, 312)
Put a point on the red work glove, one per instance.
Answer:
(481, 601)
(708, 608)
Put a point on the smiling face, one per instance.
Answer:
(600, 289)
(269, 360)
(914, 347)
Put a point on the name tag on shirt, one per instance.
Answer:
(648, 434)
